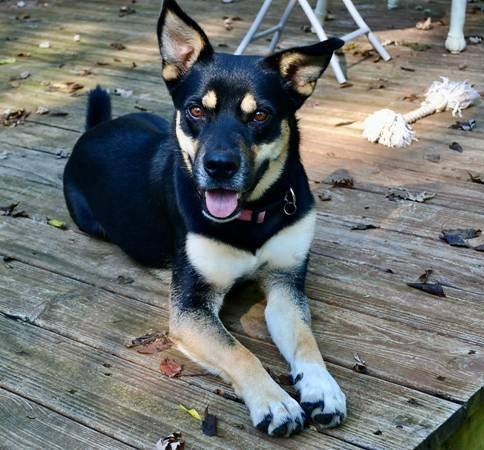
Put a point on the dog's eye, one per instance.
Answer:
(197, 112)
(260, 116)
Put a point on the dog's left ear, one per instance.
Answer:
(301, 67)
(181, 40)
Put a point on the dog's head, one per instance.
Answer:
(233, 113)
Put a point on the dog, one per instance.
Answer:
(220, 195)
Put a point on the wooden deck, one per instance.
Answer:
(69, 303)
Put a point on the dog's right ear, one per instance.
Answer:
(181, 40)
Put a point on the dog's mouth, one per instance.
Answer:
(221, 204)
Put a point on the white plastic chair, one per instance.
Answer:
(316, 19)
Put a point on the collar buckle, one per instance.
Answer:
(290, 206)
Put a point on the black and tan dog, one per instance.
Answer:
(220, 195)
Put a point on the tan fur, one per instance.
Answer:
(276, 153)
(170, 72)
(306, 72)
(248, 104)
(209, 100)
(181, 46)
(189, 146)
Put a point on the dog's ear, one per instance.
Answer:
(301, 67)
(181, 40)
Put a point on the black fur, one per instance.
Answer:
(98, 107)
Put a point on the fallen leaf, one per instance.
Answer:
(411, 97)
(172, 442)
(62, 154)
(7, 61)
(378, 432)
(140, 108)
(345, 85)
(58, 113)
(325, 196)
(42, 110)
(424, 278)
(158, 345)
(424, 25)
(123, 92)
(417, 46)
(340, 178)
(124, 280)
(228, 24)
(345, 123)
(379, 84)
(56, 223)
(469, 125)
(192, 411)
(170, 368)
(457, 237)
(476, 178)
(126, 11)
(14, 118)
(228, 395)
(407, 69)
(21, 76)
(456, 147)
(117, 45)
(462, 67)
(145, 339)
(68, 87)
(360, 365)
(431, 288)
(44, 44)
(77, 37)
(11, 211)
(209, 424)
(24, 55)
(364, 226)
(474, 39)
(84, 72)
(404, 194)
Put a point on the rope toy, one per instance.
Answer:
(393, 130)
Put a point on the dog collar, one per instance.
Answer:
(259, 215)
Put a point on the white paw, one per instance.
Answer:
(322, 399)
(273, 410)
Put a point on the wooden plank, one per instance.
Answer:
(121, 399)
(102, 321)
(27, 425)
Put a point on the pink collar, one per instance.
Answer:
(247, 215)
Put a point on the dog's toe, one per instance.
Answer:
(321, 398)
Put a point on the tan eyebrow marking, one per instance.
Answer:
(248, 104)
(209, 100)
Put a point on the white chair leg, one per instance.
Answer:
(281, 24)
(374, 41)
(253, 28)
(321, 10)
(455, 41)
(392, 4)
(318, 29)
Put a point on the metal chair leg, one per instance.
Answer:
(253, 28)
(281, 24)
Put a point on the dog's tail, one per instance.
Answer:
(98, 107)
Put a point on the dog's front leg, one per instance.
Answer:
(198, 332)
(288, 319)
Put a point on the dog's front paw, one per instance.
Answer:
(274, 411)
(322, 399)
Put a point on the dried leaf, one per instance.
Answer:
(404, 194)
(77, 37)
(123, 92)
(340, 178)
(417, 46)
(424, 25)
(124, 280)
(192, 411)
(62, 154)
(117, 45)
(407, 69)
(345, 123)
(68, 87)
(11, 211)
(44, 44)
(468, 125)
(474, 39)
(209, 424)
(228, 395)
(14, 118)
(172, 442)
(424, 278)
(378, 84)
(170, 368)
(145, 339)
(58, 113)
(56, 223)
(457, 237)
(41, 110)
(325, 196)
(476, 178)
(228, 24)
(456, 147)
(431, 288)
(345, 85)
(158, 345)
(364, 226)
(360, 365)
(126, 11)
(411, 97)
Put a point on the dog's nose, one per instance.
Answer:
(221, 165)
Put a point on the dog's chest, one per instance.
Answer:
(221, 264)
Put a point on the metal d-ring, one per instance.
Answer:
(290, 206)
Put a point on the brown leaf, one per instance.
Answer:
(345, 123)
(170, 368)
(417, 46)
(476, 178)
(68, 87)
(340, 178)
(11, 211)
(360, 365)
(407, 69)
(424, 278)
(172, 442)
(14, 118)
(424, 25)
(345, 85)
(405, 194)
(158, 345)
(410, 97)
(145, 339)
(117, 45)
(325, 196)
(456, 147)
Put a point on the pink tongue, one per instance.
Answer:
(221, 203)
